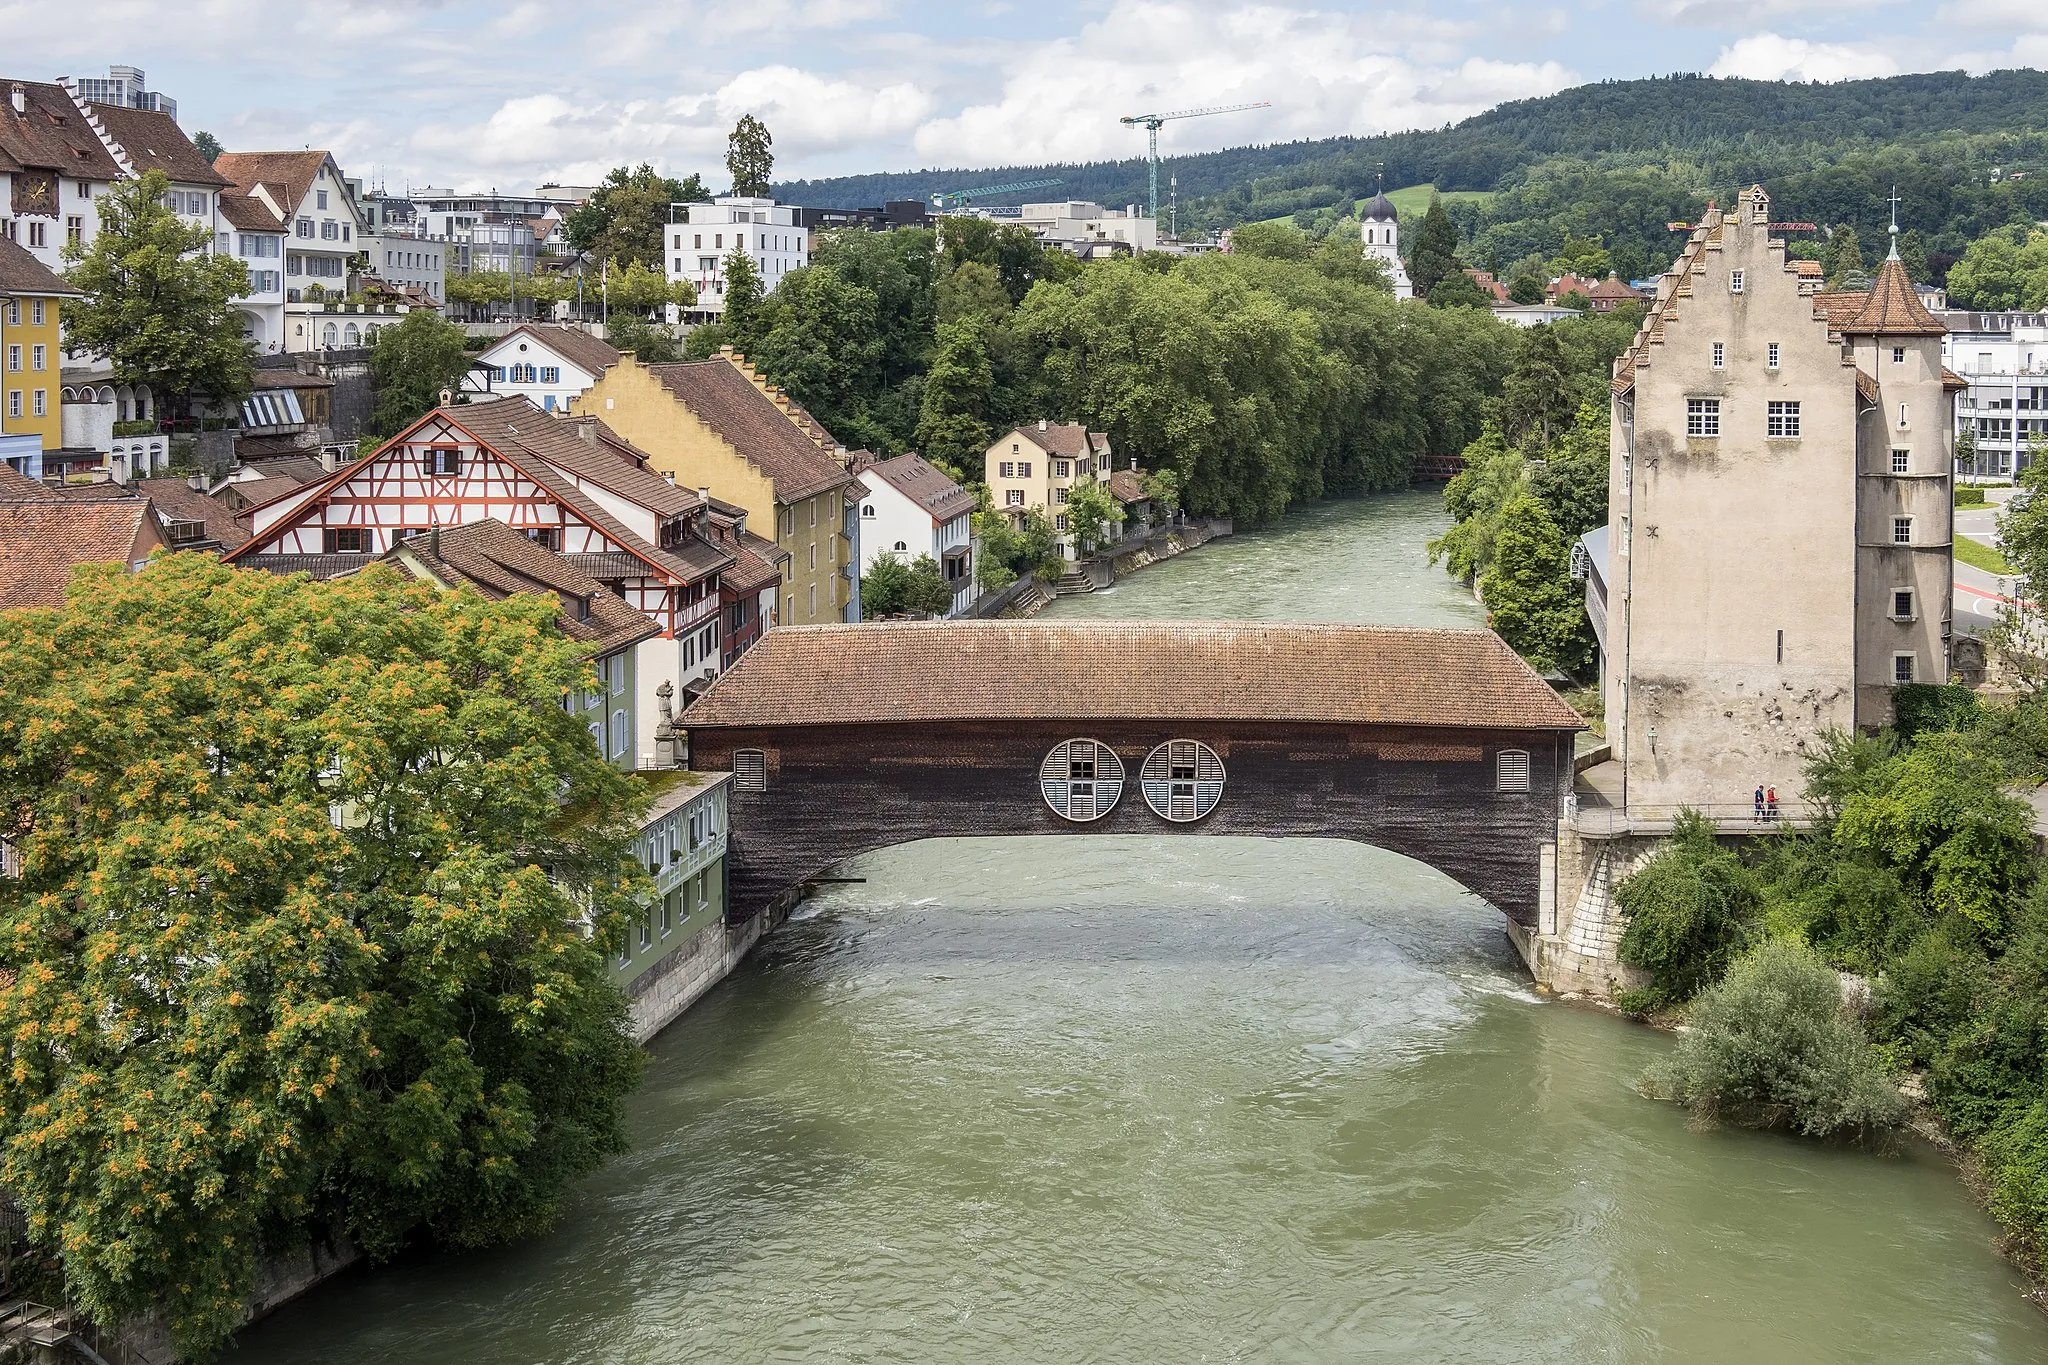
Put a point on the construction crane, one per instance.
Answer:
(1150, 123)
(959, 199)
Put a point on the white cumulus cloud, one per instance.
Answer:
(1769, 57)
(1324, 72)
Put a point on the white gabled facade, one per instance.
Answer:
(909, 509)
(543, 365)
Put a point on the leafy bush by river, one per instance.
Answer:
(1921, 874)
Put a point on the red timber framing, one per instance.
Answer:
(439, 474)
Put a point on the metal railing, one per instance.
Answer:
(1729, 817)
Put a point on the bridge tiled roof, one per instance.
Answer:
(921, 672)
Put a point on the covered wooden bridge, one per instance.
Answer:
(1439, 744)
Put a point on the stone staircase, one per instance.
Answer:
(1073, 581)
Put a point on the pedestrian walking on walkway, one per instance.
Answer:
(1759, 805)
(1771, 803)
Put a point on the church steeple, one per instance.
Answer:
(1894, 255)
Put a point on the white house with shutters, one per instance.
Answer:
(570, 485)
(547, 363)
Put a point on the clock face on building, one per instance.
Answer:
(35, 192)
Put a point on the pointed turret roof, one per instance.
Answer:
(1892, 307)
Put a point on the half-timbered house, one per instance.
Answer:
(572, 486)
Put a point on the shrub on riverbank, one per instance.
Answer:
(1687, 912)
(1771, 1046)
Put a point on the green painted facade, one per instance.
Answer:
(682, 844)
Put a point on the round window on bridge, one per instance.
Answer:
(1081, 780)
(1182, 780)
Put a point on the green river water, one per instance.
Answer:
(1103, 1099)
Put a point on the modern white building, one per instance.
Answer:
(550, 363)
(396, 246)
(125, 86)
(909, 508)
(1080, 226)
(701, 236)
(2004, 356)
(1379, 225)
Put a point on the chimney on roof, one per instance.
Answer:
(586, 428)
(20, 99)
(703, 493)
(1041, 424)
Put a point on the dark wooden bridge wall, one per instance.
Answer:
(834, 792)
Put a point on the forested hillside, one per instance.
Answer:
(1617, 161)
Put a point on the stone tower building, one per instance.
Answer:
(1780, 518)
(1380, 227)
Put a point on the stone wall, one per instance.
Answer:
(662, 993)
(837, 791)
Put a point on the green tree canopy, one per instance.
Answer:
(652, 344)
(1845, 254)
(2005, 269)
(958, 389)
(410, 365)
(158, 304)
(1459, 290)
(749, 158)
(743, 295)
(1529, 593)
(297, 937)
(820, 340)
(892, 588)
(1093, 516)
(623, 219)
(207, 145)
(1539, 398)
(1435, 253)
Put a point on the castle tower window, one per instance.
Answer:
(1081, 780)
(1182, 780)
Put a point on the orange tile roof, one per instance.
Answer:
(155, 142)
(498, 561)
(42, 542)
(925, 486)
(916, 672)
(1892, 307)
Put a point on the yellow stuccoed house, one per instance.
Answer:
(30, 389)
(716, 425)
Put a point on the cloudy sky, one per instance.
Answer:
(511, 93)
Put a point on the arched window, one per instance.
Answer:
(1511, 770)
(1182, 780)
(901, 546)
(351, 336)
(749, 770)
(1081, 780)
(329, 335)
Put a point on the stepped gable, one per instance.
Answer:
(895, 673)
(498, 562)
(154, 142)
(49, 133)
(724, 398)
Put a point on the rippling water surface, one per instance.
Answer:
(1156, 1100)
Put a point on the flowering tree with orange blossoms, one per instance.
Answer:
(317, 882)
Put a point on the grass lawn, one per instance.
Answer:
(1415, 198)
(1978, 555)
